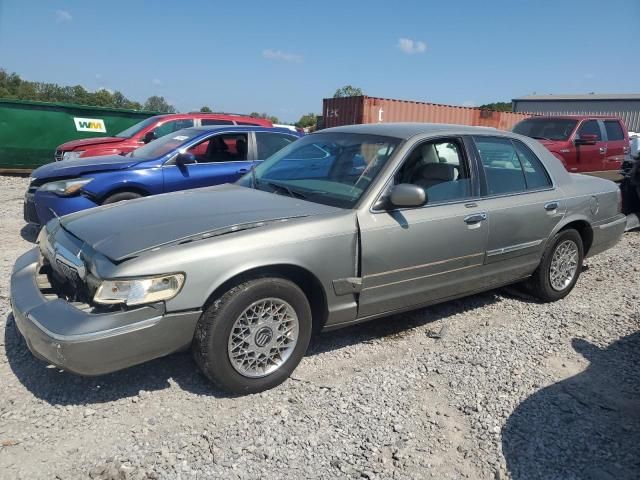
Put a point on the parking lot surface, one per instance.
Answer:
(492, 386)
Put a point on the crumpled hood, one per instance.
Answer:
(126, 229)
(71, 168)
(85, 142)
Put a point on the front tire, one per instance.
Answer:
(252, 338)
(559, 268)
(120, 197)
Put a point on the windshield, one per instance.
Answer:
(133, 129)
(166, 144)
(329, 168)
(546, 128)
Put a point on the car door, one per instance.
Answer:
(590, 157)
(414, 256)
(522, 204)
(617, 146)
(220, 158)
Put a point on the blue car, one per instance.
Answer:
(188, 158)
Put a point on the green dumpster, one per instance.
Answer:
(31, 131)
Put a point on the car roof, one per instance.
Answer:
(217, 115)
(241, 128)
(574, 117)
(408, 130)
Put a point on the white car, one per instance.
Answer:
(634, 143)
(290, 127)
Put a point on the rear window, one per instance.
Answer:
(535, 174)
(614, 130)
(510, 166)
(502, 167)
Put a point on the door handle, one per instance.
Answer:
(603, 149)
(551, 206)
(475, 218)
(243, 170)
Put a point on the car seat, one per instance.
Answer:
(241, 148)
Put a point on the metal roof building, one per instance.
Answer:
(625, 106)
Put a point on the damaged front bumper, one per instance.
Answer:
(86, 342)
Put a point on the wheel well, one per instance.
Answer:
(303, 278)
(585, 231)
(132, 189)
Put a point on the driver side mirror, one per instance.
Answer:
(406, 195)
(586, 139)
(149, 136)
(185, 158)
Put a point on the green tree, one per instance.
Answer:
(205, 109)
(307, 121)
(156, 103)
(499, 106)
(12, 86)
(348, 91)
(271, 118)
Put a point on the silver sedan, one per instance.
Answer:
(342, 226)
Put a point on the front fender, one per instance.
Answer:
(147, 181)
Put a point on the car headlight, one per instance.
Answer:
(72, 155)
(65, 188)
(137, 291)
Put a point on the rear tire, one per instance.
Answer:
(120, 197)
(252, 338)
(559, 268)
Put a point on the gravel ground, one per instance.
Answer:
(493, 386)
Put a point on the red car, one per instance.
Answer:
(584, 144)
(147, 130)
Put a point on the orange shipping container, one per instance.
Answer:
(353, 110)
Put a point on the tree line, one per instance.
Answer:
(15, 88)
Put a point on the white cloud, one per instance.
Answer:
(156, 82)
(281, 56)
(469, 103)
(98, 76)
(589, 76)
(63, 16)
(410, 47)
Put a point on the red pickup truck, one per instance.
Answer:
(584, 144)
(147, 130)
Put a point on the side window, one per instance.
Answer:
(270, 143)
(211, 121)
(172, 126)
(440, 168)
(501, 164)
(231, 147)
(590, 127)
(535, 174)
(614, 130)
